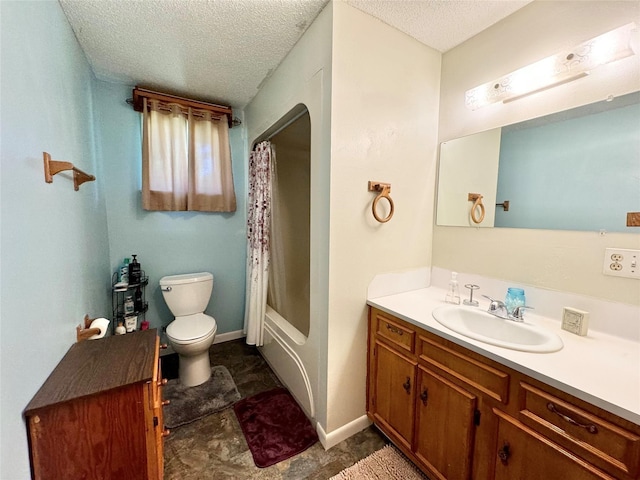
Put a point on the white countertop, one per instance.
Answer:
(599, 368)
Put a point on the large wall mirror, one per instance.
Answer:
(574, 170)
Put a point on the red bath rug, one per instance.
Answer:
(274, 426)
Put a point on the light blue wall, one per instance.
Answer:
(59, 246)
(169, 242)
(574, 174)
(55, 255)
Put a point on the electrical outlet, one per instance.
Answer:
(621, 262)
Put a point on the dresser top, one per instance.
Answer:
(94, 366)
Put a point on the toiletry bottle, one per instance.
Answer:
(453, 291)
(135, 272)
(131, 323)
(124, 271)
(120, 330)
(129, 306)
(137, 300)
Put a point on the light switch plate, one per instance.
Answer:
(621, 262)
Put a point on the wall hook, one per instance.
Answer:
(385, 190)
(53, 167)
(476, 198)
(504, 205)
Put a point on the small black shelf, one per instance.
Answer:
(119, 293)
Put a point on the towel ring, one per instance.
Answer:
(476, 198)
(385, 190)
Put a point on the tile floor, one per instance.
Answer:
(214, 447)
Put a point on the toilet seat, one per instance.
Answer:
(191, 328)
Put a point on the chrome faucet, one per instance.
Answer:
(499, 309)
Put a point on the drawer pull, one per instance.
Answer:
(589, 427)
(166, 432)
(395, 330)
(165, 402)
(424, 396)
(504, 453)
(162, 382)
(407, 385)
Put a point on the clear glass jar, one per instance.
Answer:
(515, 298)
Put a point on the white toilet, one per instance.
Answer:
(192, 332)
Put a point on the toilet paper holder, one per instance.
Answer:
(91, 327)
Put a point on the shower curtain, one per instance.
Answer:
(258, 225)
(277, 274)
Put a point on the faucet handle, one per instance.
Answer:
(518, 313)
(495, 305)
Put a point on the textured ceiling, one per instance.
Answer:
(222, 50)
(440, 24)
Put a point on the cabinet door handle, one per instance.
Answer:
(504, 453)
(407, 385)
(166, 402)
(589, 427)
(166, 432)
(424, 396)
(395, 330)
(162, 382)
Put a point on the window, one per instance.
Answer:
(186, 159)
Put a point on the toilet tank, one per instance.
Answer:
(188, 293)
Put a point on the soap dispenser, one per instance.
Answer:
(453, 291)
(135, 271)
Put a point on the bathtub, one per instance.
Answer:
(292, 357)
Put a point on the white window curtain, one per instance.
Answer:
(186, 160)
(258, 225)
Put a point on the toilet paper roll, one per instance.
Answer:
(102, 324)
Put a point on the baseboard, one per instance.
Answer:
(227, 337)
(331, 439)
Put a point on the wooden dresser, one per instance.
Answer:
(99, 414)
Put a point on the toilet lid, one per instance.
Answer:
(191, 327)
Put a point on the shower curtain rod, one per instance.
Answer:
(269, 135)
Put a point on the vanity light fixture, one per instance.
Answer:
(555, 70)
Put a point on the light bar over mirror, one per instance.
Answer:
(555, 70)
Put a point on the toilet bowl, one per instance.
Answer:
(192, 332)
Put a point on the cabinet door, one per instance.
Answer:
(394, 392)
(444, 426)
(524, 454)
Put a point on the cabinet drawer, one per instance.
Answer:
(592, 437)
(489, 380)
(397, 334)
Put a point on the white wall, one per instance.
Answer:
(384, 112)
(304, 76)
(561, 260)
(373, 117)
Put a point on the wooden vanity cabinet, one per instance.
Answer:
(465, 416)
(99, 414)
(524, 453)
(395, 384)
(444, 425)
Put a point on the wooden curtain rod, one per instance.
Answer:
(140, 93)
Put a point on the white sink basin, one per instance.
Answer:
(484, 327)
